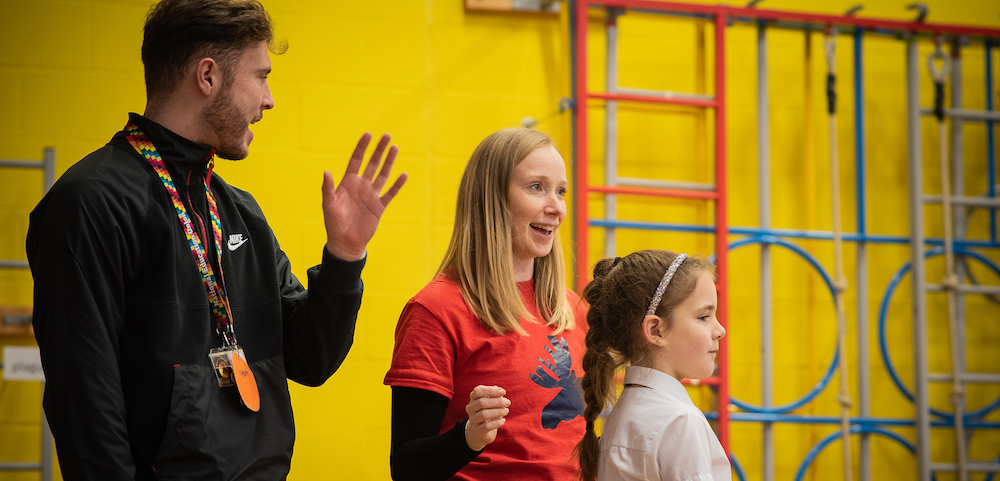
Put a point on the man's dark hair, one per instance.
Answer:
(178, 30)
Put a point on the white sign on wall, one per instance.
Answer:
(22, 364)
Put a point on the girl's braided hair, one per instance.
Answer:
(619, 296)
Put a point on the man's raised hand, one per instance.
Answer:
(351, 210)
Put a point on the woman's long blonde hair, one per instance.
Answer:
(480, 256)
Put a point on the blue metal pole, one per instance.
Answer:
(790, 233)
(991, 173)
(864, 380)
(870, 421)
(859, 132)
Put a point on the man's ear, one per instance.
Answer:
(208, 76)
(654, 329)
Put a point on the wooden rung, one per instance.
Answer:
(967, 289)
(974, 466)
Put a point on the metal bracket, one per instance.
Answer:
(854, 10)
(17, 319)
(921, 9)
(612, 14)
(566, 103)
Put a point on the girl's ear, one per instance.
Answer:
(654, 329)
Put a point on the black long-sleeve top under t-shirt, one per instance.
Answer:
(419, 452)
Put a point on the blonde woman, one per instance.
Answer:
(486, 366)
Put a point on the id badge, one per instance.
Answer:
(231, 369)
(222, 362)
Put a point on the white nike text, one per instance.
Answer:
(236, 240)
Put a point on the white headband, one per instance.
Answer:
(663, 283)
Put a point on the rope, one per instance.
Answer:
(840, 281)
(950, 281)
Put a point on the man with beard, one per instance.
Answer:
(167, 315)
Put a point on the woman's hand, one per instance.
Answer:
(487, 408)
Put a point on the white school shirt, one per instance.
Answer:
(655, 432)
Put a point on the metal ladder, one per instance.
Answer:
(616, 185)
(48, 167)
(956, 281)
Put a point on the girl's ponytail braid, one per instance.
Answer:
(599, 368)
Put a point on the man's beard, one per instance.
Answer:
(229, 125)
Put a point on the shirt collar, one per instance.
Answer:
(658, 381)
(171, 146)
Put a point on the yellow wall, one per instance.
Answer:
(439, 79)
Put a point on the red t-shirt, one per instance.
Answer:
(441, 346)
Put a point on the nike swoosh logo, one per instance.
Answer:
(236, 245)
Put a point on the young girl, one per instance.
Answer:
(486, 365)
(654, 311)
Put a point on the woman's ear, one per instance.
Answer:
(654, 329)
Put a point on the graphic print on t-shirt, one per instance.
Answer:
(568, 402)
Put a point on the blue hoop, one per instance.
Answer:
(883, 344)
(855, 429)
(821, 385)
(989, 477)
(739, 469)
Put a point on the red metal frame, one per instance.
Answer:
(721, 228)
(803, 17)
(651, 191)
(720, 14)
(654, 99)
(581, 221)
(583, 188)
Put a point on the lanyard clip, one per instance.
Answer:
(228, 335)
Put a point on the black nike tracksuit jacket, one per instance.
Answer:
(122, 319)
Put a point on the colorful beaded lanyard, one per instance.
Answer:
(216, 291)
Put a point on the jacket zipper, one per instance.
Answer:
(201, 222)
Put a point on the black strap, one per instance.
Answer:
(831, 94)
(939, 101)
